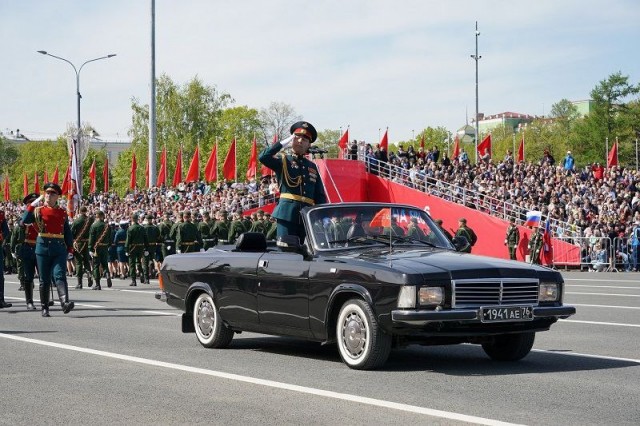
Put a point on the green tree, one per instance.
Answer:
(328, 140)
(8, 154)
(277, 119)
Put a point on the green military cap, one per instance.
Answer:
(135, 217)
(149, 217)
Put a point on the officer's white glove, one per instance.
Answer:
(178, 251)
(146, 253)
(92, 254)
(70, 256)
(168, 247)
(15, 256)
(201, 250)
(286, 144)
(35, 202)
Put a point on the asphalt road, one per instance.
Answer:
(120, 358)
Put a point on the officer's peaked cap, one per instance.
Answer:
(29, 198)
(54, 187)
(305, 128)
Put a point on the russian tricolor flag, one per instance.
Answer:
(534, 217)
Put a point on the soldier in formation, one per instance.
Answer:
(99, 240)
(80, 230)
(136, 246)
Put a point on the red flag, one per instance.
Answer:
(384, 142)
(456, 148)
(612, 159)
(162, 173)
(264, 170)
(177, 175)
(211, 169)
(422, 142)
(36, 183)
(229, 166)
(66, 182)
(253, 160)
(105, 174)
(134, 169)
(193, 175)
(25, 185)
(56, 176)
(45, 178)
(344, 140)
(521, 150)
(7, 194)
(485, 146)
(146, 173)
(92, 176)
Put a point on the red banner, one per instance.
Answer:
(229, 166)
(193, 174)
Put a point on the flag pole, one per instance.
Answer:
(606, 151)
(514, 144)
(617, 151)
(235, 159)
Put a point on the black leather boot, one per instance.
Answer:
(28, 296)
(63, 295)
(109, 283)
(89, 280)
(97, 286)
(21, 288)
(44, 302)
(79, 286)
(4, 304)
(133, 283)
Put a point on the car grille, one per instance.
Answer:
(485, 292)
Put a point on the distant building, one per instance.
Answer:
(513, 120)
(584, 107)
(113, 147)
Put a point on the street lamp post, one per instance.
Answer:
(477, 58)
(79, 129)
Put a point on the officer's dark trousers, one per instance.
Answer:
(285, 227)
(51, 258)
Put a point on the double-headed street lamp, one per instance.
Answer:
(79, 131)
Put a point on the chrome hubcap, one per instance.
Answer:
(354, 334)
(206, 318)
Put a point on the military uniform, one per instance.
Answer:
(155, 243)
(4, 235)
(512, 239)
(136, 245)
(236, 228)
(54, 246)
(414, 231)
(15, 246)
(80, 230)
(99, 241)
(204, 227)
(535, 246)
(173, 233)
(299, 182)
(188, 237)
(272, 231)
(168, 246)
(465, 231)
(23, 246)
(220, 230)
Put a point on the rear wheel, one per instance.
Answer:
(509, 347)
(210, 330)
(361, 342)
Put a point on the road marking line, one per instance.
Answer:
(603, 286)
(162, 313)
(611, 358)
(602, 323)
(605, 294)
(269, 383)
(600, 280)
(606, 306)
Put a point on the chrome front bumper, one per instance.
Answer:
(421, 317)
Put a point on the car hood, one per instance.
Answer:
(453, 265)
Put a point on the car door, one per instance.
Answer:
(237, 288)
(283, 293)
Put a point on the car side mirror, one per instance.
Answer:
(289, 243)
(460, 243)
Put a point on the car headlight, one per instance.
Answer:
(431, 295)
(548, 292)
(407, 297)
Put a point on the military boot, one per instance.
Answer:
(21, 288)
(133, 283)
(64, 297)
(44, 302)
(28, 296)
(97, 286)
(79, 286)
(109, 283)
(3, 304)
(89, 280)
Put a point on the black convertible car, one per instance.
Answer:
(369, 277)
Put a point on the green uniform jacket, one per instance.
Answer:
(136, 242)
(235, 230)
(188, 238)
(99, 236)
(80, 230)
(297, 177)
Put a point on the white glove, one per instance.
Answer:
(92, 254)
(168, 247)
(146, 253)
(70, 256)
(202, 250)
(35, 202)
(286, 144)
(178, 251)
(15, 256)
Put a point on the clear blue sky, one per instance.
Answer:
(364, 63)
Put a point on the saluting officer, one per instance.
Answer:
(23, 245)
(99, 240)
(54, 246)
(298, 178)
(188, 237)
(136, 246)
(4, 234)
(80, 230)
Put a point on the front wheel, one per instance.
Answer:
(210, 330)
(361, 342)
(509, 347)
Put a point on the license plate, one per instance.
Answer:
(509, 313)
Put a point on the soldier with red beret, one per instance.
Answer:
(54, 245)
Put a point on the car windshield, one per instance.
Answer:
(347, 226)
